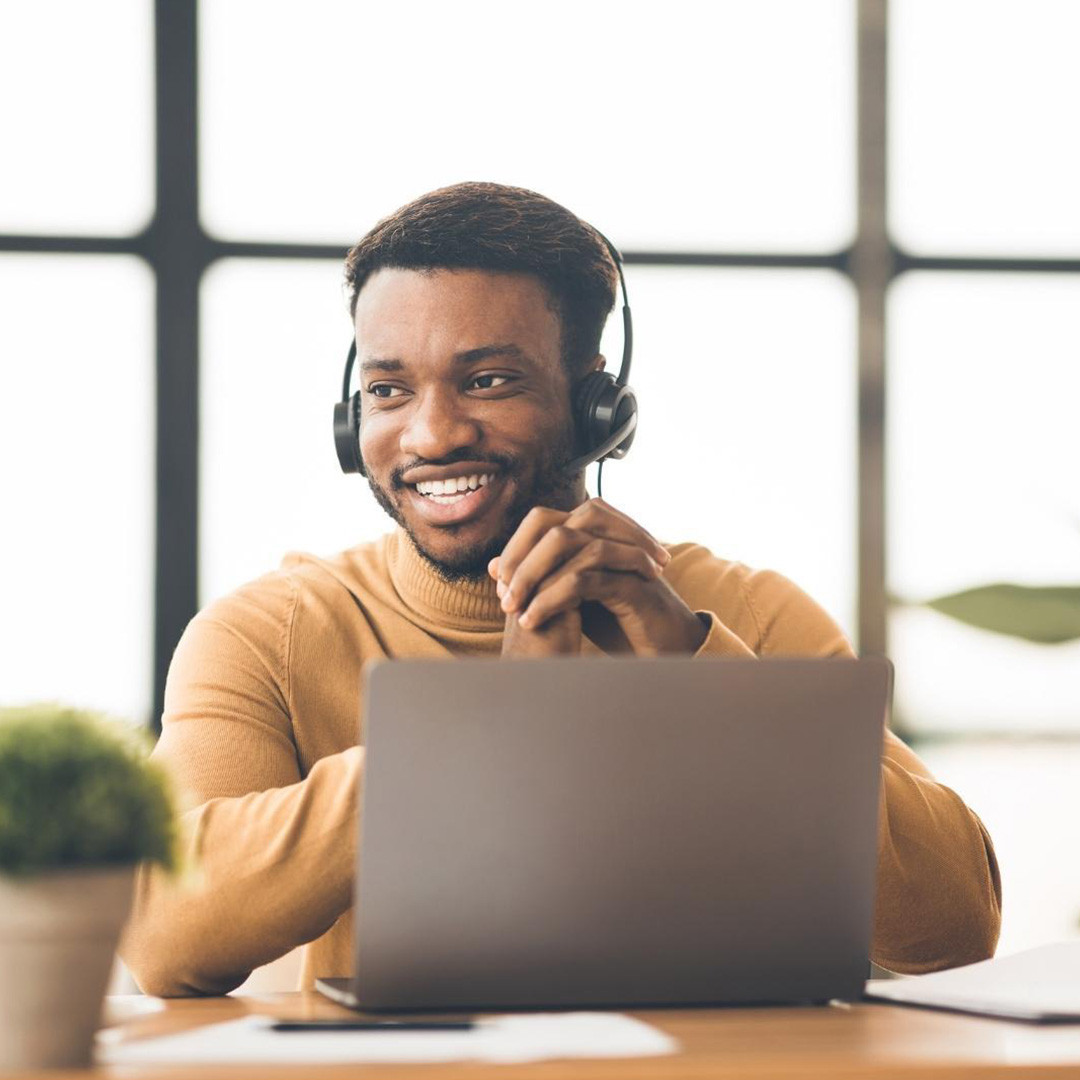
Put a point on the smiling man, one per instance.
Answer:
(478, 311)
(491, 419)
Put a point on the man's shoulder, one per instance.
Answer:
(707, 582)
(302, 578)
(695, 565)
(767, 609)
(353, 568)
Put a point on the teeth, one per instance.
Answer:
(454, 485)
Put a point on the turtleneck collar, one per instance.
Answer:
(467, 605)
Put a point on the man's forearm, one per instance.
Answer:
(938, 887)
(271, 870)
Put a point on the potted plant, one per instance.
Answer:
(79, 806)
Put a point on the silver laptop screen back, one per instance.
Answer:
(593, 832)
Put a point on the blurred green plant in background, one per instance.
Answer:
(1044, 614)
(76, 790)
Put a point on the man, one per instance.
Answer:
(478, 309)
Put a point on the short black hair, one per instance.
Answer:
(485, 226)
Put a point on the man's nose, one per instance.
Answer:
(438, 426)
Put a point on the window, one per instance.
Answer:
(78, 127)
(983, 446)
(983, 102)
(313, 128)
(717, 146)
(77, 481)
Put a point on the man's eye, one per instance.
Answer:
(489, 382)
(384, 390)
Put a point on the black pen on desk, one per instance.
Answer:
(372, 1025)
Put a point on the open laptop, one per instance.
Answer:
(578, 833)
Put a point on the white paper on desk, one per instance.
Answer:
(1038, 984)
(119, 1008)
(529, 1037)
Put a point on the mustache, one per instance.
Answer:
(502, 462)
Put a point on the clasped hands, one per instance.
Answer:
(592, 571)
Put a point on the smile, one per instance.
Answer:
(456, 499)
(454, 489)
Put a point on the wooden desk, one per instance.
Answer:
(877, 1041)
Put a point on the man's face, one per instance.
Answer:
(462, 379)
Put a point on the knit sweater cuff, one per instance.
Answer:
(720, 641)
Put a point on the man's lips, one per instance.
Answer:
(465, 505)
(446, 472)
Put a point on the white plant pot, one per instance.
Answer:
(58, 934)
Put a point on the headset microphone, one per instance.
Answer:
(604, 406)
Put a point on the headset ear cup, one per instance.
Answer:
(623, 407)
(355, 419)
(347, 435)
(590, 391)
(602, 407)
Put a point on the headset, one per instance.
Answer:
(604, 406)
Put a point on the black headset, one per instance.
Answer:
(605, 408)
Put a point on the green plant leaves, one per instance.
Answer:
(76, 790)
(1046, 614)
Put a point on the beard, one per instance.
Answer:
(550, 486)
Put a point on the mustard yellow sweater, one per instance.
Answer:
(260, 729)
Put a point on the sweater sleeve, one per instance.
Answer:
(270, 853)
(938, 888)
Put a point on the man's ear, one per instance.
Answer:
(598, 362)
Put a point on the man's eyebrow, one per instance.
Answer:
(470, 356)
(375, 364)
(484, 352)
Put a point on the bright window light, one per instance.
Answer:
(984, 158)
(726, 125)
(77, 125)
(983, 445)
(1026, 795)
(77, 445)
(275, 337)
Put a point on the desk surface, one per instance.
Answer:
(878, 1041)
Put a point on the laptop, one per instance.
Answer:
(574, 832)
